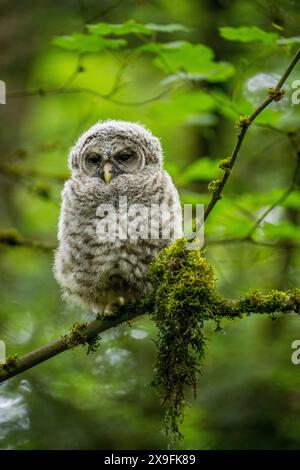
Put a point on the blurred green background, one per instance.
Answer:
(249, 393)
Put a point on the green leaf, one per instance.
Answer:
(187, 57)
(158, 47)
(248, 34)
(195, 61)
(85, 43)
(219, 73)
(167, 28)
(129, 27)
(182, 106)
(204, 169)
(133, 27)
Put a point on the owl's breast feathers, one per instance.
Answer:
(95, 270)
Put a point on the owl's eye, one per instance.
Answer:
(93, 158)
(124, 156)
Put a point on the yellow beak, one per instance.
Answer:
(107, 172)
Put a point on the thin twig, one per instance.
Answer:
(63, 90)
(284, 196)
(244, 123)
(15, 171)
(236, 240)
(12, 238)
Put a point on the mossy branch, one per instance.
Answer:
(184, 294)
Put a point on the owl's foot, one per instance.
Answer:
(109, 311)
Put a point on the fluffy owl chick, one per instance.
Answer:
(119, 208)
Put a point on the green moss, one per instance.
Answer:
(225, 164)
(184, 286)
(93, 344)
(75, 336)
(214, 185)
(276, 95)
(243, 121)
(274, 302)
(9, 364)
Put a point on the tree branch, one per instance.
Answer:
(16, 172)
(64, 91)
(13, 239)
(79, 334)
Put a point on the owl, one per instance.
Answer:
(119, 209)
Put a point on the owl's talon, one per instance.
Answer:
(110, 311)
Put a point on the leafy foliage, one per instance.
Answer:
(84, 43)
(187, 61)
(133, 27)
(248, 34)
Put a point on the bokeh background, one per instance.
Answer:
(249, 392)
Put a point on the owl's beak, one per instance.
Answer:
(107, 171)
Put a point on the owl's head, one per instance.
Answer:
(112, 148)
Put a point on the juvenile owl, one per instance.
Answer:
(119, 209)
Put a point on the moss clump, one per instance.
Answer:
(76, 336)
(184, 285)
(93, 344)
(243, 121)
(273, 303)
(275, 94)
(9, 364)
(214, 186)
(225, 164)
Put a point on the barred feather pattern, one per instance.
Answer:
(93, 271)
